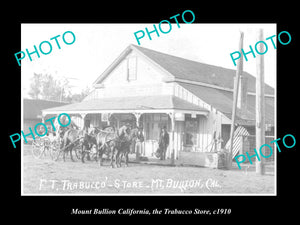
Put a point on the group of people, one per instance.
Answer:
(163, 141)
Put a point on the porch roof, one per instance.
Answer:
(223, 100)
(135, 103)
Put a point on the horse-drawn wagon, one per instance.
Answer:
(44, 146)
(93, 144)
(52, 145)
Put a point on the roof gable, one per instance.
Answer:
(185, 69)
(120, 59)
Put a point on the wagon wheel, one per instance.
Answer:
(78, 151)
(40, 147)
(37, 148)
(94, 154)
(55, 149)
(47, 146)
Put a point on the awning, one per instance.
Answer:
(159, 103)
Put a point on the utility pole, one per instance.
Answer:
(260, 105)
(173, 146)
(239, 71)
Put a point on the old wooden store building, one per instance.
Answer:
(152, 89)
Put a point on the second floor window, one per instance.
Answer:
(131, 68)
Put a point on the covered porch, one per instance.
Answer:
(149, 112)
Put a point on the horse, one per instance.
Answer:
(103, 142)
(87, 143)
(92, 139)
(111, 142)
(115, 143)
(70, 138)
(94, 131)
(121, 147)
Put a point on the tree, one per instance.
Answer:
(44, 86)
(35, 86)
(78, 97)
(50, 89)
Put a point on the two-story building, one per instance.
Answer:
(153, 89)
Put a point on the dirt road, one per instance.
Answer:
(44, 176)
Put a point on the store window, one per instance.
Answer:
(191, 130)
(154, 123)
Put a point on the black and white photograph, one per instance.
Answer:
(138, 113)
(144, 109)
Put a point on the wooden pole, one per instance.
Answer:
(173, 146)
(137, 150)
(239, 71)
(260, 105)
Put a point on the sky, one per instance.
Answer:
(98, 45)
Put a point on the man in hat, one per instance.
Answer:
(163, 143)
(138, 142)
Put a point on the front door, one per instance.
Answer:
(190, 132)
(153, 123)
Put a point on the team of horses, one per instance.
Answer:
(113, 143)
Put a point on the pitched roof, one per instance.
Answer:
(200, 72)
(130, 103)
(188, 70)
(222, 100)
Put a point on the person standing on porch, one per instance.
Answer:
(163, 143)
(139, 141)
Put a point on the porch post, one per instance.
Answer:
(83, 115)
(137, 117)
(43, 117)
(137, 153)
(108, 117)
(172, 116)
(104, 119)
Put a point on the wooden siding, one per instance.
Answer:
(150, 82)
(207, 125)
